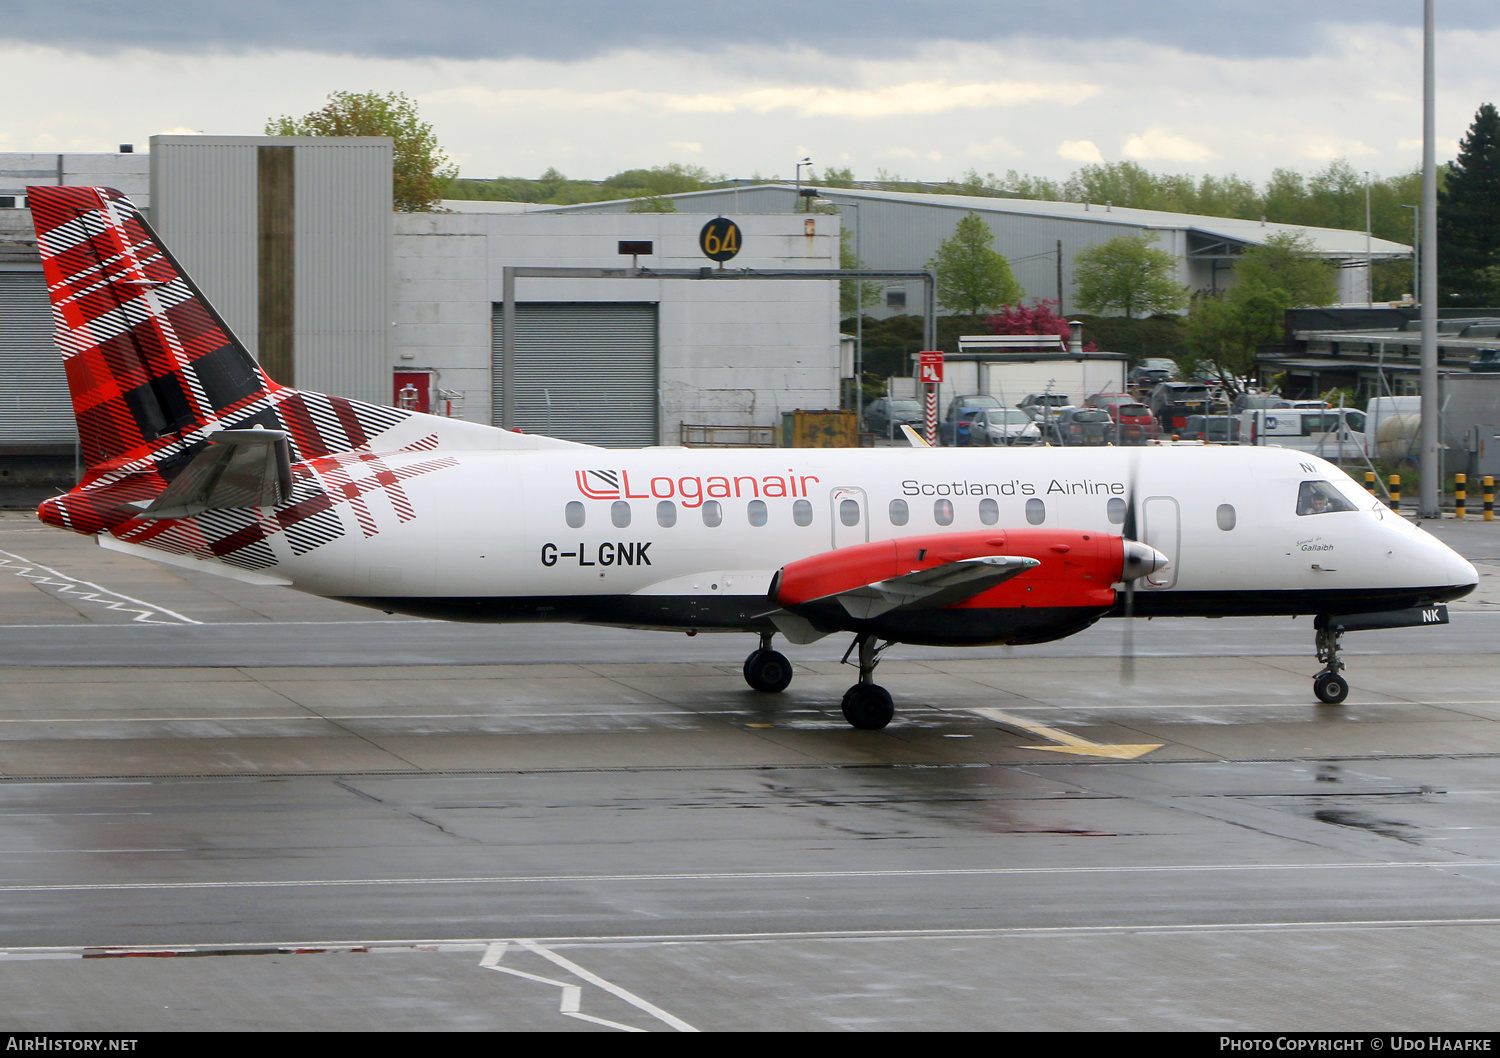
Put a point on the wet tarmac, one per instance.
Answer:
(323, 818)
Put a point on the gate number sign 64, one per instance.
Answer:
(720, 239)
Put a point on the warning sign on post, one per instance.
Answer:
(930, 366)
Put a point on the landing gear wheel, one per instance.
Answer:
(768, 671)
(1331, 688)
(868, 706)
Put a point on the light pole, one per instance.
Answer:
(1369, 265)
(859, 317)
(1427, 506)
(807, 162)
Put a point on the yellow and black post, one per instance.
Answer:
(1489, 498)
(1370, 482)
(1460, 494)
(1395, 492)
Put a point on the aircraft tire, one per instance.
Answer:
(868, 707)
(1331, 688)
(768, 671)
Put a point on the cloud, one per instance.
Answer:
(1327, 148)
(685, 146)
(1079, 151)
(578, 29)
(1157, 144)
(807, 100)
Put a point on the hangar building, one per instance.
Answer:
(903, 230)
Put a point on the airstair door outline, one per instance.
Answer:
(1161, 527)
(850, 514)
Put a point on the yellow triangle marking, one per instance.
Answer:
(1067, 742)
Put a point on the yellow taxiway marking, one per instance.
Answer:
(1068, 743)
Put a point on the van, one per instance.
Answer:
(1333, 433)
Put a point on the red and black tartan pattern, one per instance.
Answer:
(153, 371)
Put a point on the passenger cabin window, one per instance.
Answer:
(989, 511)
(713, 514)
(900, 513)
(1225, 516)
(1116, 510)
(619, 514)
(757, 512)
(1320, 497)
(666, 514)
(574, 513)
(849, 512)
(942, 512)
(802, 512)
(1036, 511)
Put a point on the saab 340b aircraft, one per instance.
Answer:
(196, 457)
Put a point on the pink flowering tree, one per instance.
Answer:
(1038, 318)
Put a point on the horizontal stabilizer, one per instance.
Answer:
(240, 468)
(933, 588)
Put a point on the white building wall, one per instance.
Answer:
(126, 173)
(732, 352)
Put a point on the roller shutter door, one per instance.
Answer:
(585, 371)
(35, 408)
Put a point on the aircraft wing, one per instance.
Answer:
(240, 468)
(933, 588)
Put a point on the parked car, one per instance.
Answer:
(1147, 377)
(1082, 426)
(1107, 397)
(1134, 423)
(1216, 429)
(989, 427)
(886, 415)
(970, 400)
(1043, 407)
(1173, 402)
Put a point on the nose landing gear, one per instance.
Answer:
(1330, 687)
(767, 670)
(867, 705)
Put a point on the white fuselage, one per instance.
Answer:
(679, 524)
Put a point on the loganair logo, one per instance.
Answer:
(691, 490)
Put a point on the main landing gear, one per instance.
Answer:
(1328, 685)
(766, 669)
(867, 705)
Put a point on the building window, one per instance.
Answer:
(895, 299)
(757, 512)
(802, 512)
(900, 514)
(713, 514)
(574, 512)
(619, 513)
(989, 511)
(942, 511)
(1036, 511)
(666, 514)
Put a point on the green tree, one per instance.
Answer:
(1469, 214)
(1286, 262)
(422, 171)
(972, 277)
(1224, 332)
(1127, 274)
(653, 204)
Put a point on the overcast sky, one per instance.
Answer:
(921, 88)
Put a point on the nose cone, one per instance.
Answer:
(1140, 560)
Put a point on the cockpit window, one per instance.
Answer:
(1320, 497)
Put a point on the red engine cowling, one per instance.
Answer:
(1077, 569)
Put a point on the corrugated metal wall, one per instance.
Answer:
(204, 190)
(585, 371)
(35, 408)
(203, 207)
(343, 260)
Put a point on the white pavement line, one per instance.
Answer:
(594, 979)
(572, 995)
(66, 585)
(743, 876)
